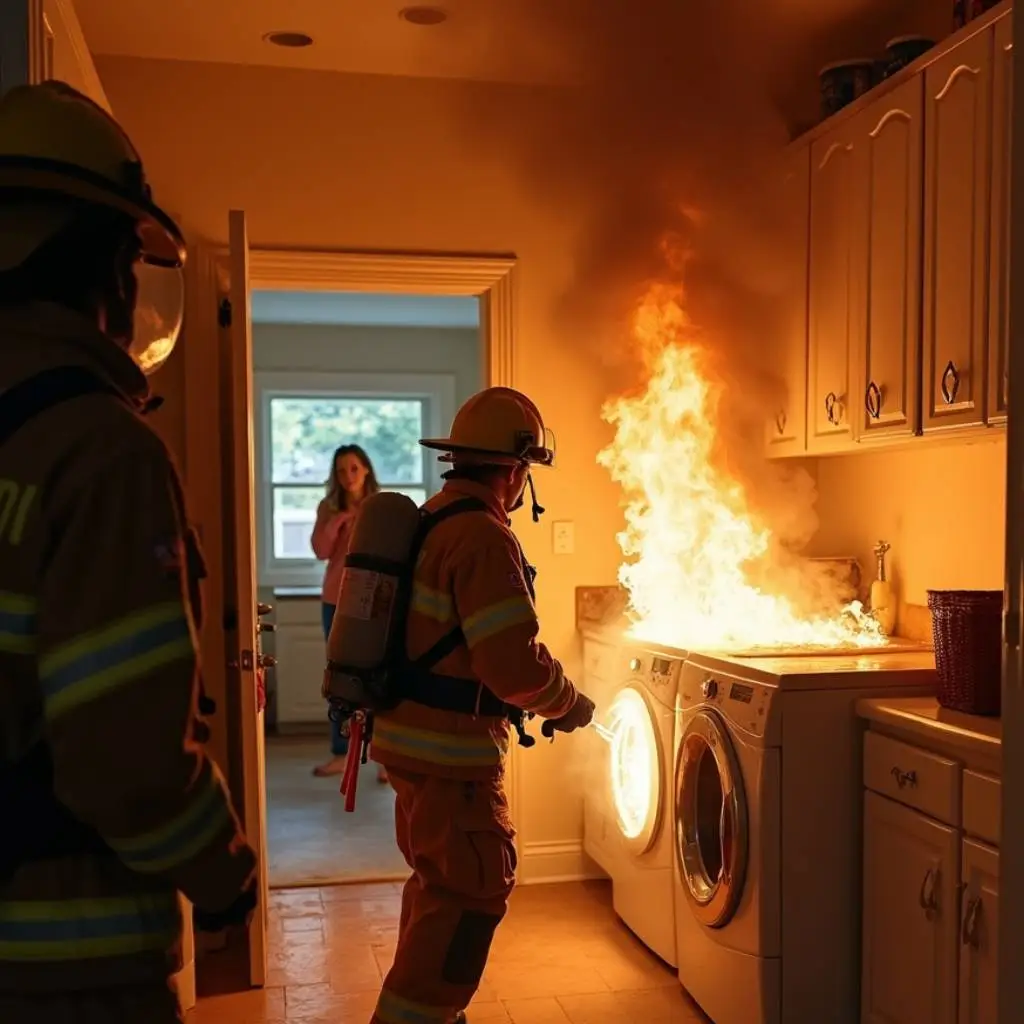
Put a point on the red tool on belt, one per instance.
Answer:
(360, 734)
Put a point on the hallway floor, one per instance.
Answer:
(311, 839)
(560, 956)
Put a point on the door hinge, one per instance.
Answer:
(224, 313)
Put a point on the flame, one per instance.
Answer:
(691, 543)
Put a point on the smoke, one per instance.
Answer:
(662, 144)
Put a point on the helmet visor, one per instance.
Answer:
(539, 454)
(159, 311)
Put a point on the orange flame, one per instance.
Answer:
(691, 543)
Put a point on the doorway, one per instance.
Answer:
(332, 369)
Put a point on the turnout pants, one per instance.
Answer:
(458, 839)
(155, 1004)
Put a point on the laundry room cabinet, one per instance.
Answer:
(300, 652)
(907, 255)
(931, 865)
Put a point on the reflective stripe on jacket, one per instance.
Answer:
(471, 573)
(98, 657)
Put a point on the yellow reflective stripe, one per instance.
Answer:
(395, 1009)
(89, 666)
(548, 697)
(17, 623)
(81, 929)
(431, 603)
(496, 618)
(181, 838)
(437, 747)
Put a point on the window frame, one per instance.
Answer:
(435, 390)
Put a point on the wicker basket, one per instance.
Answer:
(967, 629)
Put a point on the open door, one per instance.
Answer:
(246, 664)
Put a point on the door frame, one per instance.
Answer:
(490, 278)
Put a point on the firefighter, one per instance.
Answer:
(446, 766)
(110, 805)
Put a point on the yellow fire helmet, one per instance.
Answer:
(497, 426)
(58, 144)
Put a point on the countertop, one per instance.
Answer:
(922, 717)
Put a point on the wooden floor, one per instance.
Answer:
(561, 955)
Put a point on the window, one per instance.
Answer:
(302, 417)
(305, 431)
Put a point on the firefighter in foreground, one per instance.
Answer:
(473, 604)
(110, 806)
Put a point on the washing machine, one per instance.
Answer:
(767, 793)
(627, 827)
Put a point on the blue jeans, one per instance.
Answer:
(339, 742)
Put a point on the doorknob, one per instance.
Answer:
(266, 661)
(243, 663)
(264, 609)
(265, 627)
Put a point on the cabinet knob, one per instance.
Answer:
(950, 383)
(873, 400)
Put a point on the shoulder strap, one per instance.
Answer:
(42, 391)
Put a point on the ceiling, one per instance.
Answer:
(357, 36)
(359, 310)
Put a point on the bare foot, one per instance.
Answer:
(382, 774)
(336, 766)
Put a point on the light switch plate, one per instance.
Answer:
(563, 537)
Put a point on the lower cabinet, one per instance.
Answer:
(979, 933)
(911, 916)
(299, 674)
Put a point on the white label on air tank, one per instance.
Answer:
(356, 598)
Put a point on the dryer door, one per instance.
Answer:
(711, 820)
(635, 772)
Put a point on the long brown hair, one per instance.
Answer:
(336, 494)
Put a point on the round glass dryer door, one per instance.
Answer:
(711, 820)
(635, 768)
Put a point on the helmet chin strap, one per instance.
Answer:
(537, 510)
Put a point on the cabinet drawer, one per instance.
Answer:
(913, 776)
(599, 660)
(982, 796)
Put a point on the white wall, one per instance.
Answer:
(348, 349)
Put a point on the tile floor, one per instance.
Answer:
(560, 956)
(311, 838)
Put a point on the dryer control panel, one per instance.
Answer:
(745, 703)
(658, 673)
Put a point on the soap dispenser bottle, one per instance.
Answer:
(883, 601)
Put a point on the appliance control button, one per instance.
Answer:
(634, 664)
(709, 688)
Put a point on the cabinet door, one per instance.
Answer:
(999, 222)
(833, 187)
(300, 672)
(979, 934)
(911, 916)
(787, 427)
(889, 142)
(957, 163)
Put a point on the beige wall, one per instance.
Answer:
(338, 161)
(940, 505)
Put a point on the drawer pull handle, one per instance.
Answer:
(903, 779)
(780, 422)
(926, 897)
(833, 409)
(969, 932)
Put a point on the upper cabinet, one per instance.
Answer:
(832, 320)
(888, 140)
(958, 159)
(908, 253)
(787, 422)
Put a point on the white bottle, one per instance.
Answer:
(883, 600)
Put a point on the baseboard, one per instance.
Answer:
(555, 862)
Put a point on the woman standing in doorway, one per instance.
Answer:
(352, 479)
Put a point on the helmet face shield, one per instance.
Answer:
(159, 311)
(539, 454)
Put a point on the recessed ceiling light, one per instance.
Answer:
(423, 15)
(292, 40)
